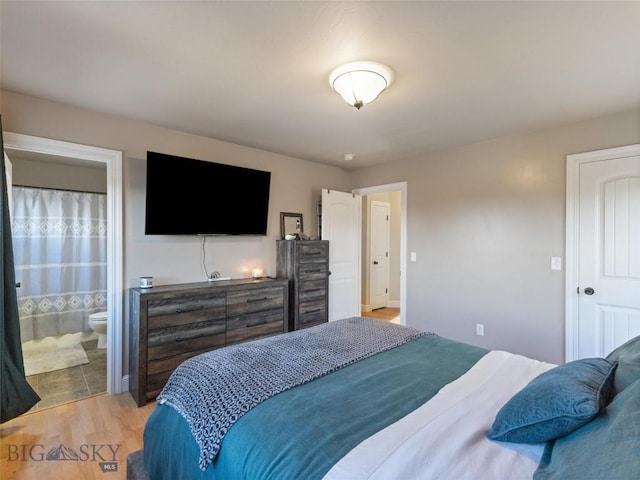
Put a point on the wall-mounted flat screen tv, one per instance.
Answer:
(195, 197)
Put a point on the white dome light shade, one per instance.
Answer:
(360, 83)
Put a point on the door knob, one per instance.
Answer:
(589, 291)
(375, 262)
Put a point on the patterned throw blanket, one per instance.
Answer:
(213, 390)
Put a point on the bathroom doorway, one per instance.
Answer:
(59, 222)
(76, 159)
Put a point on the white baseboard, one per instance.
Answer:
(365, 308)
(125, 383)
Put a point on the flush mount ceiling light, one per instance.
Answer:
(360, 83)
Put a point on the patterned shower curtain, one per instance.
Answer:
(60, 249)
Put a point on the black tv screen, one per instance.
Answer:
(195, 197)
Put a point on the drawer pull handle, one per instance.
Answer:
(315, 271)
(314, 311)
(256, 324)
(253, 300)
(180, 310)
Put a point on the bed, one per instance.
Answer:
(364, 399)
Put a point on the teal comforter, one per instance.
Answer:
(302, 432)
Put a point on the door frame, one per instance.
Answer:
(113, 161)
(571, 237)
(402, 188)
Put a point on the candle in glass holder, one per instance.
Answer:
(257, 272)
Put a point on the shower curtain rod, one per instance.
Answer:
(59, 189)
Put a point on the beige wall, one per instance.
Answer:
(32, 173)
(485, 220)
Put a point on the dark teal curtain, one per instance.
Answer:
(16, 395)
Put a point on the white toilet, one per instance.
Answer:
(98, 323)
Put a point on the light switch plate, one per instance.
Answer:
(413, 256)
(556, 263)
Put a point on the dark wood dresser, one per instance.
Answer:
(306, 264)
(170, 323)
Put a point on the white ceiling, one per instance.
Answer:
(256, 73)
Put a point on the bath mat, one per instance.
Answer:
(53, 353)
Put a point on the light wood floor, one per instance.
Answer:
(113, 421)
(388, 314)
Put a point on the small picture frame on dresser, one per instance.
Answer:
(290, 224)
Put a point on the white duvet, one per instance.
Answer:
(446, 437)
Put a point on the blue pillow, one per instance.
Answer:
(608, 447)
(628, 357)
(556, 402)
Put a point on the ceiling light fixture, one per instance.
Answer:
(360, 83)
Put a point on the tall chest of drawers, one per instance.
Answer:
(171, 323)
(306, 264)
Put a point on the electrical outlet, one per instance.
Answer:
(480, 329)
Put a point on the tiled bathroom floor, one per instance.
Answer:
(72, 383)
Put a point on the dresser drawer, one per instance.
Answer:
(313, 311)
(312, 289)
(249, 301)
(169, 347)
(256, 325)
(169, 364)
(313, 252)
(159, 371)
(302, 326)
(170, 312)
(312, 271)
(172, 341)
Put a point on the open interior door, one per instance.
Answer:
(341, 219)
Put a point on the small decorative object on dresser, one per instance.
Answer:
(171, 323)
(306, 264)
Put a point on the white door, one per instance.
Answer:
(341, 218)
(607, 290)
(378, 254)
